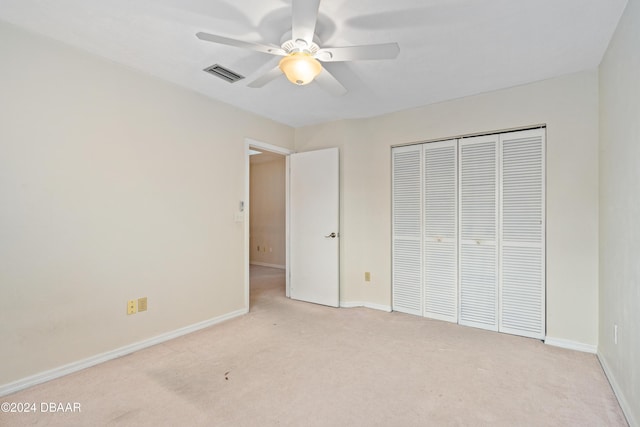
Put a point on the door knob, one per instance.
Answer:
(332, 235)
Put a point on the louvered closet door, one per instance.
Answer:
(522, 287)
(440, 231)
(407, 229)
(478, 213)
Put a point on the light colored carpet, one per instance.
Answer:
(290, 363)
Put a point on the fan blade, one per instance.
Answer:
(358, 53)
(266, 78)
(265, 48)
(305, 15)
(329, 83)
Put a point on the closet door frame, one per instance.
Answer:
(418, 284)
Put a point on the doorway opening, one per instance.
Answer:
(266, 230)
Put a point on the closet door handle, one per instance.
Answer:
(332, 235)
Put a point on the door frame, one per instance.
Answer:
(248, 142)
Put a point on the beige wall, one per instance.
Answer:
(567, 105)
(267, 210)
(620, 211)
(114, 185)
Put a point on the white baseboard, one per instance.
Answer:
(350, 304)
(571, 345)
(110, 355)
(624, 403)
(264, 264)
(353, 304)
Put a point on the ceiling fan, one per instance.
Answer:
(301, 54)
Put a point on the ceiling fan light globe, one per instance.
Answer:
(300, 68)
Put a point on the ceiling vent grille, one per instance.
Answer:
(224, 73)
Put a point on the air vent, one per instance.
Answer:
(224, 73)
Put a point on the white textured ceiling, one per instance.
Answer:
(448, 48)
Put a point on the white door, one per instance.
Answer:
(522, 219)
(314, 226)
(478, 256)
(424, 232)
(407, 228)
(441, 230)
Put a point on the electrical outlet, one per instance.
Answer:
(615, 333)
(131, 306)
(367, 276)
(142, 304)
